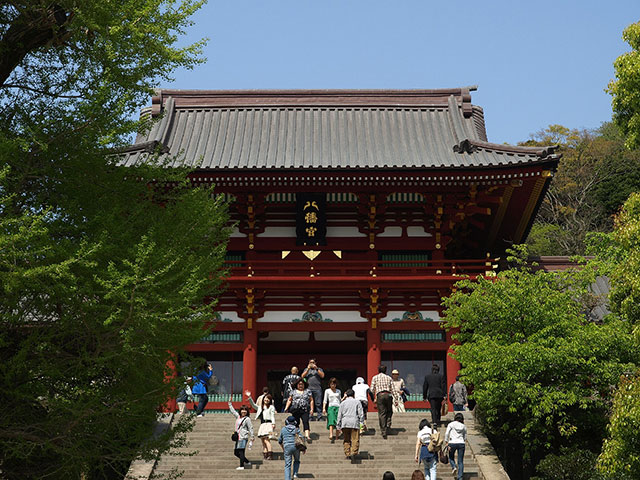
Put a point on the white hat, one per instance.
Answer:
(395, 371)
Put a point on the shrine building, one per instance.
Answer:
(356, 211)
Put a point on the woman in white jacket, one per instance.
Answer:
(266, 413)
(455, 437)
(244, 431)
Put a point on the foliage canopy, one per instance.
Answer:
(620, 458)
(542, 370)
(625, 88)
(596, 175)
(103, 270)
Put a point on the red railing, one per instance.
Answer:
(339, 268)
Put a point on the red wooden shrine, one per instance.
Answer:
(355, 212)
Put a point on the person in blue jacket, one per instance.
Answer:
(287, 441)
(200, 388)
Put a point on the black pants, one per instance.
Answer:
(436, 405)
(239, 452)
(384, 402)
(300, 415)
(365, 406)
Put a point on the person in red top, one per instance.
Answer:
(382, 389)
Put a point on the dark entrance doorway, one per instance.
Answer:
(272, 368)
(346, 377)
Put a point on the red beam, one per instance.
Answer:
(415, 283)
(311, 326)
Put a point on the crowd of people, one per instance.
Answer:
(346, 416)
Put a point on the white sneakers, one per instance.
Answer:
(239, 468)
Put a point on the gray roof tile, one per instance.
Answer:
(324, 130)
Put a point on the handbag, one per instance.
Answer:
(444, 455)
(234, 435)
(444, 409)
(300, 445)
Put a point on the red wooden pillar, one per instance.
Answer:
(374, 357)
(250, 361)
(453, 366)
(170, 374)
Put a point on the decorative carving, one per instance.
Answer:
(371, 209)
(410, 317)
(250, 297)
(312, 317)
(217, 317)
(311, 254)
(251, 210)
(252, 310)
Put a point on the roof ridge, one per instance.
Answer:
(266, 98)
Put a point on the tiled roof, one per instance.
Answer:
(323, 129)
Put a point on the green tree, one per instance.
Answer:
(569, 464)
(620, 252)
(625, 88)
(595, 176)
(103, 270)
(542, 370)
(620, 457)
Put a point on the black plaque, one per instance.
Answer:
(311, 219)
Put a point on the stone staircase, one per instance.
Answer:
(214, 459)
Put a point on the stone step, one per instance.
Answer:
(323, 460)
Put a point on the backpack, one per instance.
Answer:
(435, 443)
(452, 394)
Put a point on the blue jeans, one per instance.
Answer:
(202, 402)
(291, 453)
(430, 469)
(458, 408)
(459, 447)
(317, 401)
(430, 461)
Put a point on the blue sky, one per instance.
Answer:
(535, 63)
